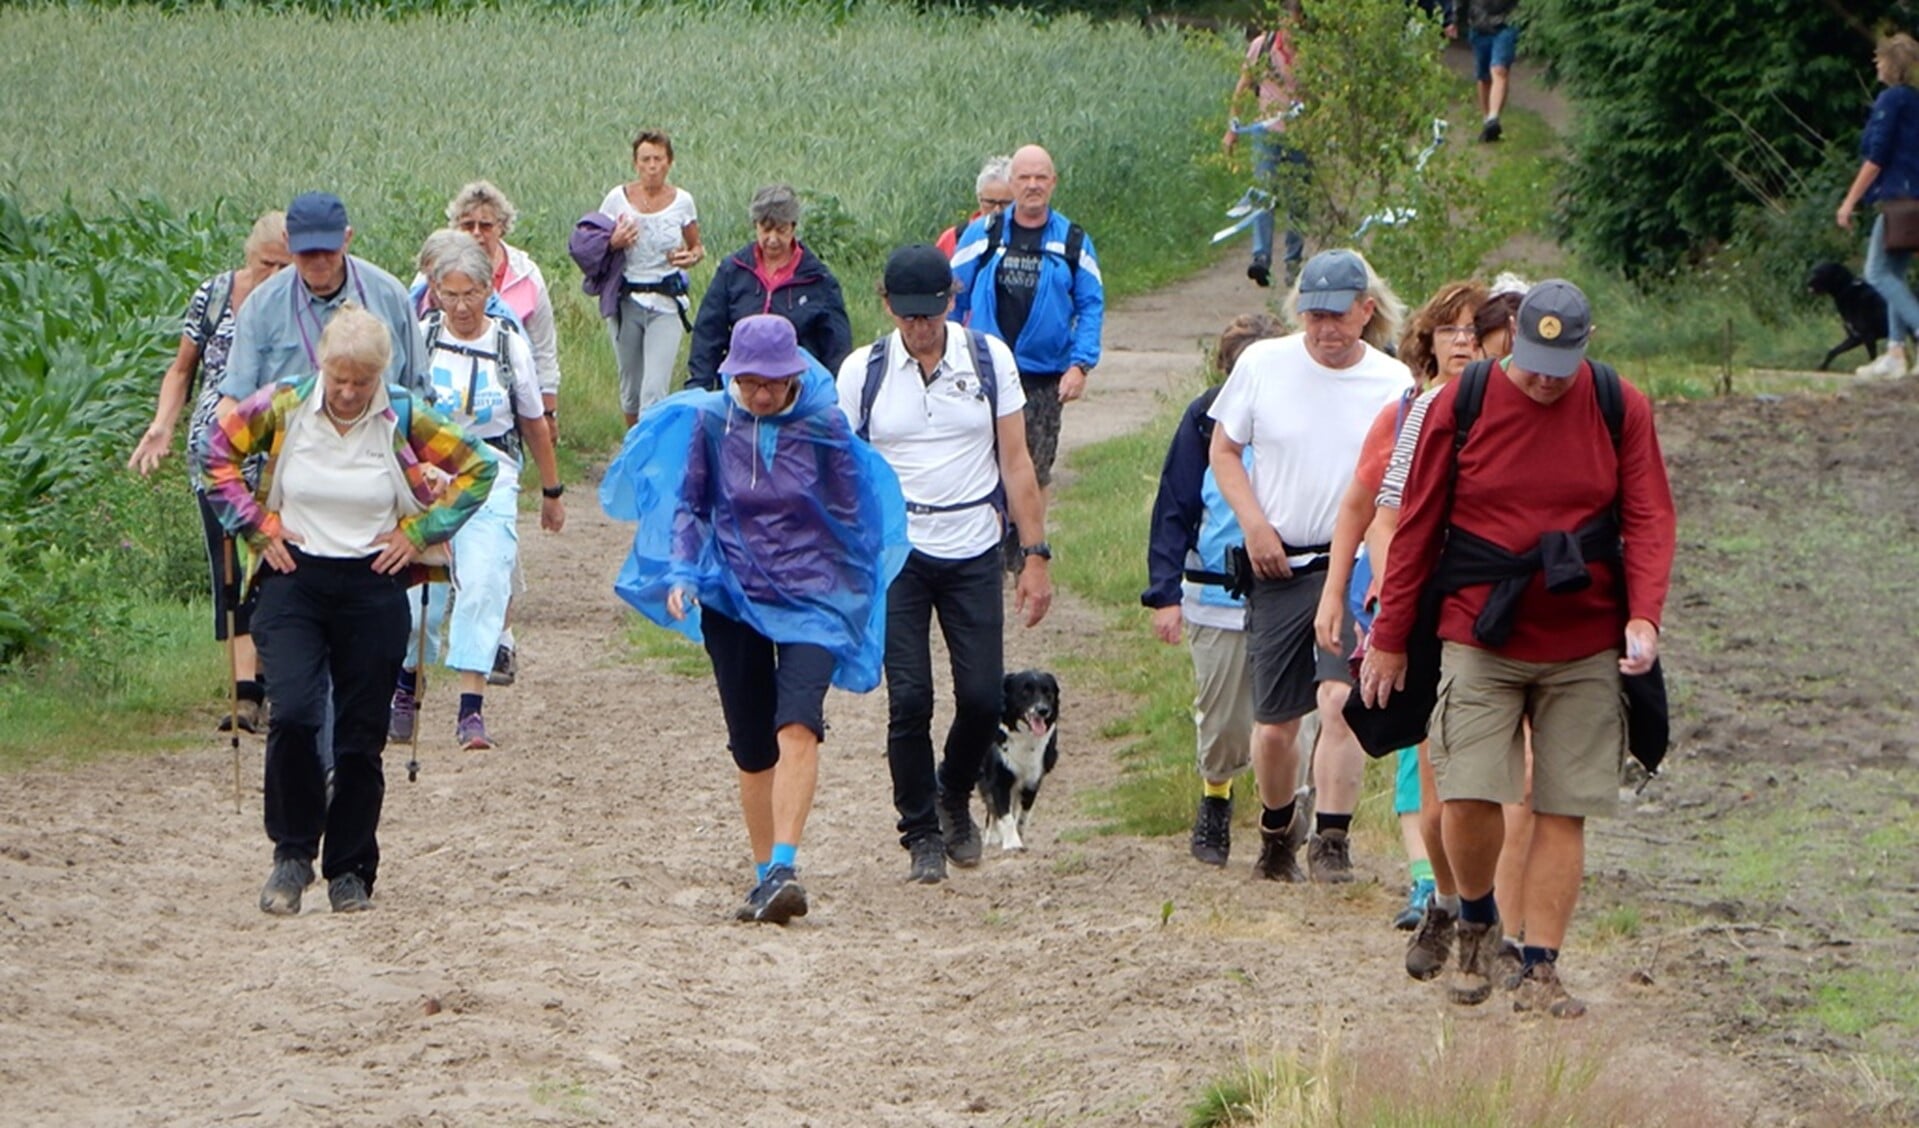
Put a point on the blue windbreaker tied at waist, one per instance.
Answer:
(787, 523)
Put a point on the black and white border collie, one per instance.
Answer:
(1025, 750)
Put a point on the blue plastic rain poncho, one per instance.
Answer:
(786, 523)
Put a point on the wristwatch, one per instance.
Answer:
(553, 491)
(1042, 550)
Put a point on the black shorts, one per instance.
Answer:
(764, 686)
(1287, 663)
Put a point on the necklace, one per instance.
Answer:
(344, 424)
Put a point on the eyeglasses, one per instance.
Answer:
(473, 226)
(1464, 332)
(461, 298)
(988, 203)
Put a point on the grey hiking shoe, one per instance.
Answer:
(956, 827)
(783, 898)
(1330, 857)
(506, 667)
(1431, 945)
(1541, 992)
(929, 860)
(1509, 964)
(1213, 830)
(289, 879)
(1472, 981)
(250, 714)
(401, 716)
(348, 893)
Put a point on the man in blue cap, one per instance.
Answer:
(1303, 404)
(277, 334)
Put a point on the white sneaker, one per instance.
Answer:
(1891, 365)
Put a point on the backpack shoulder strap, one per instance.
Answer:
(1075, 243)
(1611, 397)
(1468, 400)
(430, 324)
(870, 390)
(218, 299)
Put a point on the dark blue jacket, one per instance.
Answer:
(1891, 141)
(1192, 526)
(810, 300)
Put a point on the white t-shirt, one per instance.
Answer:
(661, 233)
(1305, 424)
(938, 437)
(470, 388)
(338, 492)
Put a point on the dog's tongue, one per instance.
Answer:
(1037, 726)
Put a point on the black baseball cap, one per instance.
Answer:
(1555, 319)
(918, 281)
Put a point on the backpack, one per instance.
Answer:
(434, 323)
(1472, 396)
(989, 384)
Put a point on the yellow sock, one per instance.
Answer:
(1222, 790)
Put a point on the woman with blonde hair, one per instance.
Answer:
(1888, 172)
(483, 211)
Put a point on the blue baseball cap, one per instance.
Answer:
(316, 221)
(1332, 281)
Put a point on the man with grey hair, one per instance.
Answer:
(1303, 404)
(775, 273)
(992, 191)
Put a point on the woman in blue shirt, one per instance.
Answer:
(1889, 171)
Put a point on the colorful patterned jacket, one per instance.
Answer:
(430, 439)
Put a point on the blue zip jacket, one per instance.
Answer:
(1192, 526)
(1891, 141)
(1069, 307)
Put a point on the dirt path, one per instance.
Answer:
(553, 943)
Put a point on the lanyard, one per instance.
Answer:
(302, 298)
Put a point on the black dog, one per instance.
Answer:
(1025, 750)
(1859, 305)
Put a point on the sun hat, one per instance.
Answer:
(919, 281)
(316, 221)
(1554, 322)
(763, 345)
(1332, 281)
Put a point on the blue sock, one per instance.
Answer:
(759, 870)
(469, 704)
(1529, 956)
(786, 854)
(409, 681)
(1479, 910)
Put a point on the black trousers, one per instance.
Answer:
(335, 619)
(965, 594)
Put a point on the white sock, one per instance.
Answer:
(1448, 902)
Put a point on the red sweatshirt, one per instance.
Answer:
(1529, 469)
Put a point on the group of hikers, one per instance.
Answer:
(806, 509)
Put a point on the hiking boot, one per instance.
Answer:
(289, 879)
(1330, 857)
(1889, 366)
(249, 714)
(1541, 992)
(1416, 901)
(784, 897)
(347, 893)
(1261, 271)
(1431, 945)
(1473, 975)
(1213, 830)
(506, 667)
(1492, 130)
(929, 860)
(1509, 964)
(470, 734)
(401, 716)
(956, 827)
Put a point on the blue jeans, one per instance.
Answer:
(1886, 273)
(1269, 153)
(1493, 49)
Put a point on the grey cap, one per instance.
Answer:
(1555, 319)
(1332, 281)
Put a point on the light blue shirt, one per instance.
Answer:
(277, 334)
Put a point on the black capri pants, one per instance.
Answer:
(222, 554)
(764, 686)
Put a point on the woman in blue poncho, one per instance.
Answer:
(770, 534)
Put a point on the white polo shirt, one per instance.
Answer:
(938, 436)
(1304, 423)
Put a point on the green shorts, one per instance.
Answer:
(1579, 730)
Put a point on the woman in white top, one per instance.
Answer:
(483, 377)
(659, 229)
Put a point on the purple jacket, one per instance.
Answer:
(591, 246)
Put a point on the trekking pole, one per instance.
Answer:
(419, 693)
(232, 594)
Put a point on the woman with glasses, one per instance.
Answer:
(484, 212)
(993, 191)
(483, 378)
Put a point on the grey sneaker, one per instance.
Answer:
(1431, 945)
(929, 860)
(784, 898)
(1541, 992)
(956, 827)
(289, 879)
(470, 732)
(1213, 830)
(506, 667)
(347, 893)
(401, 716)
(1473, 976)
(1509, 964)
(1330, 857)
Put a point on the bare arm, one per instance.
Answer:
(158, 439)
(1355, 514)
(1027, 504)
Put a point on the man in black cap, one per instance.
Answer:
(278, 331)
(1538, 504)
(943, 405)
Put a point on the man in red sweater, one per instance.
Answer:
(1581, 533)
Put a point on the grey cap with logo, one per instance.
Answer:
(1555, 321)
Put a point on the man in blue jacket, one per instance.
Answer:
(1030, 277)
